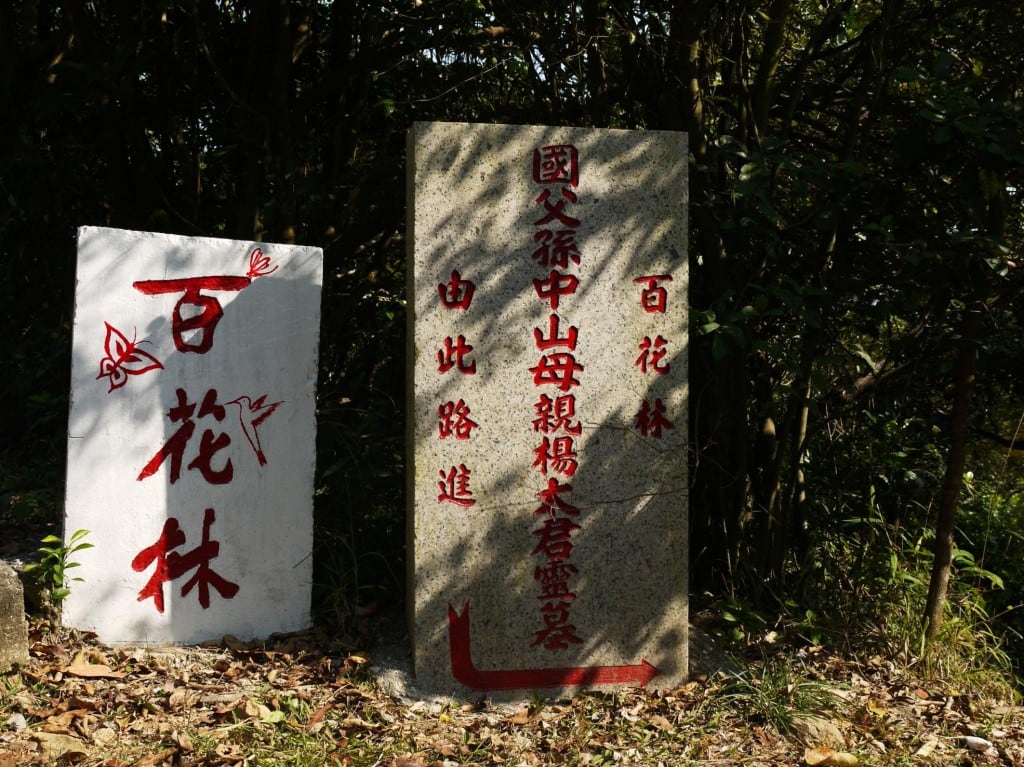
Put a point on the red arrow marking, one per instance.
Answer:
(525, 679)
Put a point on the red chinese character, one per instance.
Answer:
(554, 286)
(555, 543)
(451, 356)
(560, 453)
(556, 164)
(457, 293)
(553, 339)
(171, 566)
(555, 414)
(174, 448)
(651, 354)
(553, 573)
(453, 419)
(559, 369)
(653, 297)
(454, 486)
(203, 321)
(651, 422)
(557, 633)
(556, 248)
(556, 210)
(557, 589)
(551, 503)
(170, 538)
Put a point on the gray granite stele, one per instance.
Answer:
(13, 627)
(547, 471)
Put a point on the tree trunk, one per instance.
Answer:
(963, 380)
(595, 23)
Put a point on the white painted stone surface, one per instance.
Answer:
(592, 593)
(195, 430)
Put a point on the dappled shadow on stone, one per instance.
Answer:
(621, 507)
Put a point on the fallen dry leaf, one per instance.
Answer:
(154, 760)
(56, 746)
(60, 723)
(522, 716)
(661, 723)
(876, 707)
(82, 667)
(357, 723)
(826, 757)
(230, 753)
(407, 761)
(180, 698)
(927, 747)
(317, 717)
(184, 742)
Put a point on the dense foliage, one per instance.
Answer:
(855, 253)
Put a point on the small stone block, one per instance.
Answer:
(13, 627)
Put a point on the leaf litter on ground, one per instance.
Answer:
(299, 699)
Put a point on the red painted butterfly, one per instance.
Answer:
(123, 359)
(259, 264)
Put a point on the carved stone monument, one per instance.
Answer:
(547, 408)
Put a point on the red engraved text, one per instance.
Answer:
(558, 454)
(554, 286)
(555, 209)
(454, 486)
(553, 339)
(453, 355)
(556, 248)
(457, 293)
(556, 414)
(652, 354)
(653, 297)
(453, 420)
(651, 421)
(556, 164)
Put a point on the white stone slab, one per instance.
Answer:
(512, 590)
(192, 422)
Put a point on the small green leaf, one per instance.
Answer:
(269, 716)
